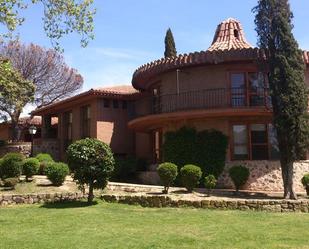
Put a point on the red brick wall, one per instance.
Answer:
(112, 127)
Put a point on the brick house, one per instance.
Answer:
(6, 133)
(221, 88)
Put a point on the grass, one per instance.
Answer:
(105, 225)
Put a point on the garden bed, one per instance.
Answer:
(40, 191)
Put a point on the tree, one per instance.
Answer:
(60, 18)
(92, 163)
(46, 68)
(170, 48)
(15, 93)
(288, 91)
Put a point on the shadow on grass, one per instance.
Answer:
(45, 185)
(68, 204)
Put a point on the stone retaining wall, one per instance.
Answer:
(47, 145)
(38, 198)
(233, 204)
(19, 147)
(265, 175)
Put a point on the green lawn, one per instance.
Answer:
(122, 226)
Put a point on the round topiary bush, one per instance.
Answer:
(190, 175)
(11, 165)
(168, 173)
(10, 182)
(44, 160)
(92, 163)
(210, 182)
(305, 182)
(56, 173)
(30, 167)
(239, 175)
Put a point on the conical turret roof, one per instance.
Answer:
(229, 35)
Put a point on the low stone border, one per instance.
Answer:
(38, 198)
(240, 204)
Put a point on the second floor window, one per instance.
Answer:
(85, 117)
(248, 89)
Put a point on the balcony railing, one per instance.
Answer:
(204, 99)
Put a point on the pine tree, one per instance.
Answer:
(170, 48)
(288, 90)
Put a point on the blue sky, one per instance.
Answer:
(129, 33)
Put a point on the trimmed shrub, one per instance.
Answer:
(168, 173)
(205, 148)
(239, 175)
(44, 160)
(10, 182)
(11, 165)
(305, 182)
(179, 146)
(210, 182)
(92, 163)
(2, 143)
(56, 173)
(44, 157)
(30, 167)
(211, 150)
(190, 175)
(125, 168)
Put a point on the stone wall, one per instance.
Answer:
(239, 204)
(264, 175)
(47, 145)
(38, 198)
(19, 147)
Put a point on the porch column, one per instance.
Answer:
(46, 126)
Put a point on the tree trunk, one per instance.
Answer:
(90, 193)
(15, 127)
(287, 176)
(284, 177)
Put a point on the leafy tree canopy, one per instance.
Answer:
(60, 18)
(15, 92)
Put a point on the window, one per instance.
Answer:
(240, 136)
(156, 94)
(124, 104)
(106, 103)
(115, 103)
(238, 89)
(236, 34)
(259, 144)
(248, 88)
(273, 142)
(257, 89)
(254, 142)
(85, 116)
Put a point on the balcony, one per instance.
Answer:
(221, 102)
(219, 98)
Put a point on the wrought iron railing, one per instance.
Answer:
(204, 99)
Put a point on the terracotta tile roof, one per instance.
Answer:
(124, 91)
(229, 35)
(36, 120)
(144, 73)
(228, 46)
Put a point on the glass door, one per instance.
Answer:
(257, 89)
(238, 89)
